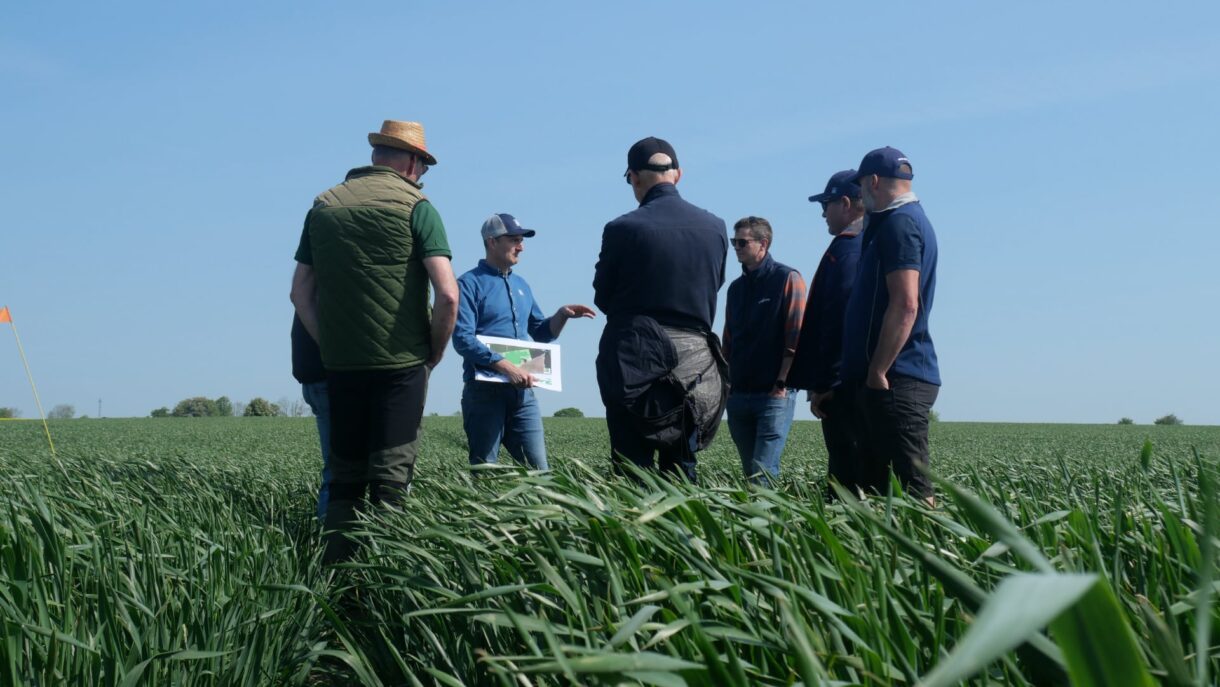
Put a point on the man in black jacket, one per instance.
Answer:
(816, 367)
(307, 369)
(659, 367)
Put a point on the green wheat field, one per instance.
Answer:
(185, 552)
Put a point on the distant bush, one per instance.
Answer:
(1169, 419)
(1126, 421)
(569, 412)
(160, 412)
(933, 416)
(261, 407)
(10, 413)
(223, 407)
(197, 406)
(63, 411)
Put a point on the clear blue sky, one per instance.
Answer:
(158, 160)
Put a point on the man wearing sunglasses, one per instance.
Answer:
(763, 315)
(659, 367)
(816, 367)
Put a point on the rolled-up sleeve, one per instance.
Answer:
(464, 341)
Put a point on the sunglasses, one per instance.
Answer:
(740, 243)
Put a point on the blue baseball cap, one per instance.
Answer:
(885, 162)
(504, 224)
(841, 185)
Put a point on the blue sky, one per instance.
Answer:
(158, 160)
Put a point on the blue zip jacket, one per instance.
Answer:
(494, 304)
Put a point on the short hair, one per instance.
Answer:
(651, 176)
(391, 154)
(758, 228)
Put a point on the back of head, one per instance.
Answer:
(654, 161)
(395, 158)
(652, 177)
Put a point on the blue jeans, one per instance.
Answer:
(315, 395)
(759, 425)
(494, 413)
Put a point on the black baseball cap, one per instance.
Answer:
(637, 156)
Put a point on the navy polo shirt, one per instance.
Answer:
(896, 239)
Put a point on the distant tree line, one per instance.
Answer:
(202, 406)
(1170, 420)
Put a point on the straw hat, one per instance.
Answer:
(403, 135)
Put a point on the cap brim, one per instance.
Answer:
(821, 197)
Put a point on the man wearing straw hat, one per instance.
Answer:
(370, 248)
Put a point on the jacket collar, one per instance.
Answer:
(370, 170)
(661, 189)
(764, 267)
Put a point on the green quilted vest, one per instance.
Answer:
(374, 310)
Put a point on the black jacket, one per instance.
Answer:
(306, 358)
(819, 353)
(637, 371)
(664, 260)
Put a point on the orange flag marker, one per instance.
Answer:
(6, 316)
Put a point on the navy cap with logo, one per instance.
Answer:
(504, 224)
(637, 156)
(841, 185)
(885, 162)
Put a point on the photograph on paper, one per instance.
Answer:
(539, 359)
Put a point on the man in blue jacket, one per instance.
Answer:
(887, 346)
(816, 367)
(659, 367)
(495, 301)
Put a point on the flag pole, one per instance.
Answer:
(47, 430)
